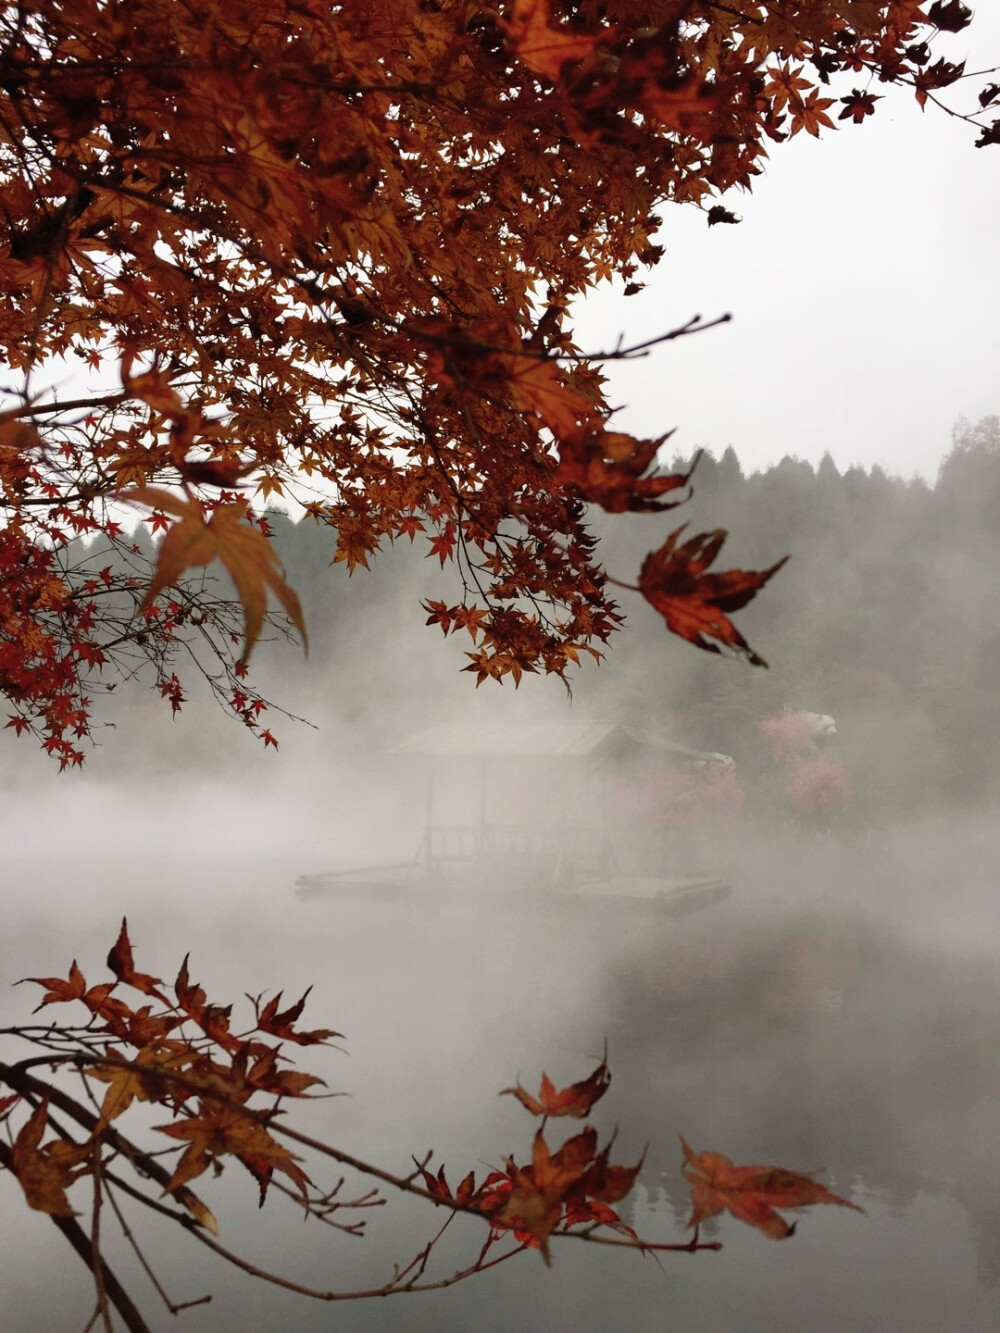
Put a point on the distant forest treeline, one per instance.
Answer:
(887, 617)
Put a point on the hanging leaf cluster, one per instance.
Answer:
(324, 254)
(215, 1092)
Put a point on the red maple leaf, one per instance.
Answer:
(574, 1100)
(695, 604)
(751, 1193)
(607, 468)
(121, 964)
(443, 545)
(281, 1024)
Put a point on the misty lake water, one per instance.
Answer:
(841, 1010)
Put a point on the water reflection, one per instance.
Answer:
(842, 1009)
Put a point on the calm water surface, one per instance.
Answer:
(840, 1010)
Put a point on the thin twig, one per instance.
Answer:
(71, 405)
(95, 1241)
(175, 1307)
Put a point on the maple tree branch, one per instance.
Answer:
(405, 1184)
(736, 13)
(184, 1220)
(175, 1307)
(642, 349)
(389, 1288)
(323, 1208)
(71, 405)
(51, 501)
(265, 1119)
(16, 1078)
(95, 1240)
(81, 1243)
(464, 341)
(970, 118)
(691, 1246)
(30, 1086)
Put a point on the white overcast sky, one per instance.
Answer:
(864, 284)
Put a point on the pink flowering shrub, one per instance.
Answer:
(818, 789)
(790, 735)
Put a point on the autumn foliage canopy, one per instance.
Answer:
(324, 254)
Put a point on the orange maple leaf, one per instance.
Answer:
(812, 114)
(45, 1173)
(246, 553)
(567, 1188)
(606, 468)
(785, 86)
(443, 545)
(282, 1024)
(574, 1100)
(410, 525)
(213, 1019)
(153, 387)
(221, 1131)
(751, 1193)
(540, 386)
(695, 604)
(687, 105)
(59, 991)
(357, 539)
(440, 614)
(438, 1186)
(534, 1207)
(600, 1185)
(98, 999)
(472, 618)
(191, 998)
(265, 1076)
(143, 1079)
(121, 964)
(543, 48)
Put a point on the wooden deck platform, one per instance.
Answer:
(668, 895)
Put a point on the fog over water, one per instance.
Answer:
(840, 1009)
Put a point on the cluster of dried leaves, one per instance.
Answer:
(224, 1095)
(327, 250)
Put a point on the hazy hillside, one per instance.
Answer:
(887, 617)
